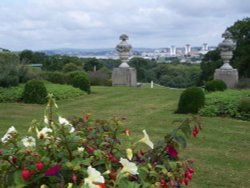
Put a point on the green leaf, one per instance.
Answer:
(181, 140)
(19, 182)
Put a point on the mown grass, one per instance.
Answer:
(221, 151)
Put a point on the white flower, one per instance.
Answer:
(46, 120)
(80, 149)
(129, 153)
(43, 133)
(72, 129)
(8, 134)
(94, 177)
(129, 167)
(29, 141)
(146, 140)
(63, 121)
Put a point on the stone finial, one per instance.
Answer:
(227, 44)
(123, 49)
(123, 37)
(123, 46)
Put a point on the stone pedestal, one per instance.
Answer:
(124, 76)
(229, 76)
(226, 72)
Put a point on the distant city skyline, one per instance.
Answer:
(95, 24)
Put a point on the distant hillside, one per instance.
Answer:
(90, 52)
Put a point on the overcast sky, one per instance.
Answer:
(50, 24)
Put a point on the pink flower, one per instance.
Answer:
(53, 171)
(171, 151)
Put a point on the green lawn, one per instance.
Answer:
(221, 151)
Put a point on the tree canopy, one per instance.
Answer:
(241, 33)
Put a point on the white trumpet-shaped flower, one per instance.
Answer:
(129, 167)
(46, 120)
(65, 122)
(80, 149)
(147, 140)
(29, 141)
(129, 153)
(94, 177)
(8, 135)
(43, 133)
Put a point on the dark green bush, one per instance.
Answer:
(191, 100)
(215, 85)
(35, 92)
(57, 77)
(80, 80)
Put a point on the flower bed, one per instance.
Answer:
(93, 153)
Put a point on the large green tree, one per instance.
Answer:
(210, 62)
(241, 34)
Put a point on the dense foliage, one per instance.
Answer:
(231, 103)
(215, 85)
(88, 153)
(35, 92)
(15, 94)
(240, 30)
(210, 62)
(191, 100)
(80, 80)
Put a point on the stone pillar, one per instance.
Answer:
(124, 75)
(226, 72)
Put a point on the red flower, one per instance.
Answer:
(1, 152)
(163, 183)
(112, 174)
(13, 159)
(25, 174)
(172, 151)
(39, 166)
(172, 183)
(186, 181)
(127, 132)
(53, 171)
(74, 178)
(195, 131)
(91, 150)
(101, 185)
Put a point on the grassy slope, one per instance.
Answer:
(221, 151)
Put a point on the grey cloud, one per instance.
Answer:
(97, 23)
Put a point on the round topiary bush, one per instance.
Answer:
(215, 85)
(191, 100)
(80, 80)
(35, 92)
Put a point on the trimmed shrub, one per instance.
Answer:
(80, 80)
(35, 92)
(191, 100)
(215, 85)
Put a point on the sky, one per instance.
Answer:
(89, 24)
